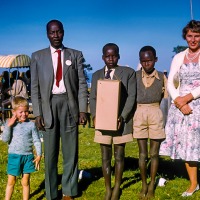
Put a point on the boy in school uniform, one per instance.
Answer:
(148, 118)
(124, 133)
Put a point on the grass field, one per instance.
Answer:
(93, 188)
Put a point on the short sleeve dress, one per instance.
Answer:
(183, 131)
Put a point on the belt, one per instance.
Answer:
(148, 104)
(65, 93)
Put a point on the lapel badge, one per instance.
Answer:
(68, 62)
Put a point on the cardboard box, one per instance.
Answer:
(107, 105)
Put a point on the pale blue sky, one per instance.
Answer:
(90, 24)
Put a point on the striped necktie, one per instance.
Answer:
(107, 76)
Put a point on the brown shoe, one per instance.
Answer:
(67, 198)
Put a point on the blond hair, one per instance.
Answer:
(19, 101)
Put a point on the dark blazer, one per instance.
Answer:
(42, 78)
(127, 76)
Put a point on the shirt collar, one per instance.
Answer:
(53, 50)
(153, 74)
(106, 68)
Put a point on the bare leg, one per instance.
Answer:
(143, 154)
(106, 152)
(192, 172)
(10, 186)
(26, 186)
(154, 155)
(119, 168)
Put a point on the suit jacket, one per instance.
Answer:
(127, 76)
(42, 78)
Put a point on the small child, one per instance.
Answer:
(148, 118)
(124, 133)
(21, 134)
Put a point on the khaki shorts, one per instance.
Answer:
(111, 137)
(148, 122)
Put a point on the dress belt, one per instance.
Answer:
(60, 94)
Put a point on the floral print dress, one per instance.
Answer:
(183, 131)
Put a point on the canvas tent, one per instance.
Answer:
(14, 61)
(9, 62)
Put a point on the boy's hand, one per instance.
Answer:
(120, 122)
(12, 120)
(37, 162)
(94, 121)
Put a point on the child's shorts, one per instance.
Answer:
(148, 122)
(20, 164)
(111, 137)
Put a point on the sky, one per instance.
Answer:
(90, 24)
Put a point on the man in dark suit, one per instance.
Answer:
(59, 97)
(119, 138)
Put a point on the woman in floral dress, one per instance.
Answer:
(183, 123)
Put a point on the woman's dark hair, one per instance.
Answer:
(193, 26)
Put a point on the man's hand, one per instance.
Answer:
(82, 118)
(37, 162)
(39, 122)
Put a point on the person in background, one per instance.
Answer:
(21, 134)
(5, 86)
(124, 133)
(148, 118)
(165, 73)
(18, 89)
(59, 99)
(1, 89)
(183, 123)
(165, 103)
(18, 86)
(28, 81)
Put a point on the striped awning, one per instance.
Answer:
(12, 61)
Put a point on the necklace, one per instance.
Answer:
(192, 58)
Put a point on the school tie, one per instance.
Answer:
(59, 68)
(107, 76)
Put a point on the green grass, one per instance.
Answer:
(90, 160)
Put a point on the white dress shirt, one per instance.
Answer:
(61, 89)
(111, 73)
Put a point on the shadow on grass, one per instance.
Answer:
(96, 174)
(131, 164)
(41, 188)
(168, 169)
(172, 169)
